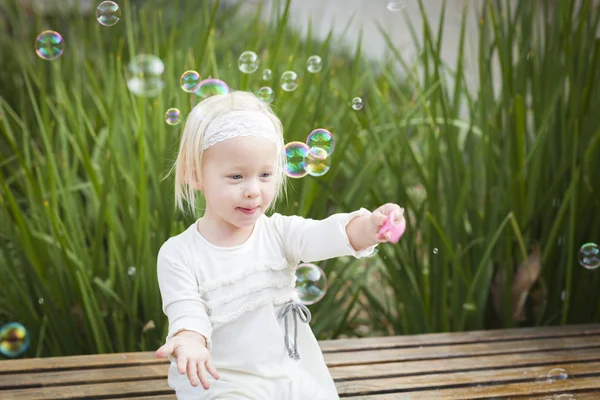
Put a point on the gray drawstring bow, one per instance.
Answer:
(298, 310)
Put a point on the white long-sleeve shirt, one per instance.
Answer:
(233, 295)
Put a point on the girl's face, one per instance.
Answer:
(238, 180)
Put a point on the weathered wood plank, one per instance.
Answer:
(31, 365)
(77, 377)
(521, 390)
(462, 350)
(459, 337)
(144, 389)
(462, 379)
(82, 377)
(458, 364)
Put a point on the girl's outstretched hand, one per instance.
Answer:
(379, 217)
(192, 357)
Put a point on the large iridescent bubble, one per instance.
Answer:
(295, 159)
(49, 45)
(14, 339)
(209, 87)
(311, 283)
(144, 75)
(321, 138)
(317, 161)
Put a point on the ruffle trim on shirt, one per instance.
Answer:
(258, 267)
(248, 307)
(288, 281)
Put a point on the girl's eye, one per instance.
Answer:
(266, 174)
(236, 177)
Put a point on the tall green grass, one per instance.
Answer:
(82, 199)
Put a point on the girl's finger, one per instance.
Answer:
(212, 370)
(192, 372)
(181, 364)
(203, 375)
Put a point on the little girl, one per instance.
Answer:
(237, 329)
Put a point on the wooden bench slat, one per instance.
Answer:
(526, 390)
(45, 379)
(454, 364)
(456, 379)
(112, 390)
(459, 337)
(30, 365)
(446, 351)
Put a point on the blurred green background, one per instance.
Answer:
(500, 183)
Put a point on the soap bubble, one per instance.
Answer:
(265, 94)
(189, 81)
(267, 74)
(435, 250)
(357, 103)
(396, 5)
(131, 271)
(317, 161)
(321, 138)
(314, 64)
(14, 339)
(311, 283)
(557, 374)
(173, 116)
(209, 87)
(295, 155)
(49, 45)
(248, 62)
(289, 81)
(589, 256)
(108, 13)
(543, 379)
(144, 75)
(564, 396)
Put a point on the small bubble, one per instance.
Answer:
(469, 307)
(173, 116)
(564, 396)
(357, 104)
(543, 379)
(435, 250)
(41, 300)
(108, 13)
(289, 81)
(557, 374)
(396, 5)
(49, 45)
(248, 62)
(589, 256)
(314, 64)
(267, 75)
(131, 271)
(189, 81)
(265, 94)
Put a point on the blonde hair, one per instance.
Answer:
(188, 165)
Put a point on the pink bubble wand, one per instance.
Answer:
(396, 230)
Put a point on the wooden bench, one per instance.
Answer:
(496, 364)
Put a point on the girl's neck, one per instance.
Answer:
(223, 234)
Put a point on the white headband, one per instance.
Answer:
(240, 123)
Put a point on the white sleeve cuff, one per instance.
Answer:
(349, 217)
